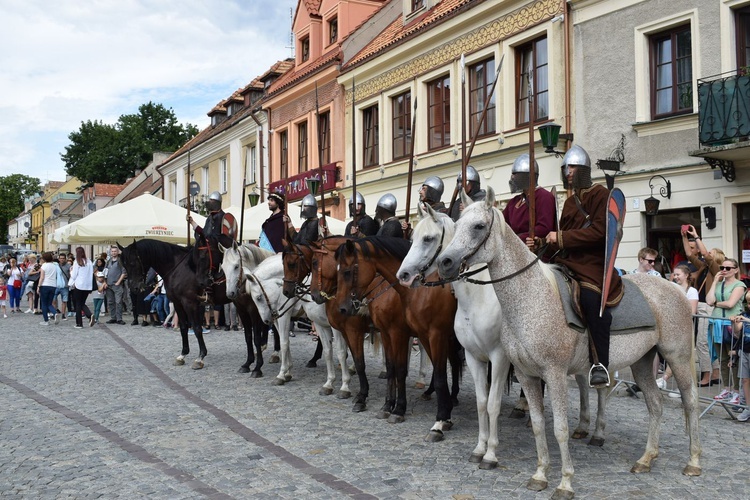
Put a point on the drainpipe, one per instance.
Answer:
(260, 149)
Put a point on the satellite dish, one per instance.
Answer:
(92, 206)
(194, 188)
(26, 224)
(56, 212)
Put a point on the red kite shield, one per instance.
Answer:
(229, 226)
(615, 219)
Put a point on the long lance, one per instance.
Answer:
(354, 163)
(532, 170)
(482, 119)
(242, 205)
(187, 197)
(463, 122)
(320, 162)
(411, 161)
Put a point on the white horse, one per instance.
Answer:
(265, 286)
(541, 345)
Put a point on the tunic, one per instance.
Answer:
(516, 214)
(391, 227)
(367, 227)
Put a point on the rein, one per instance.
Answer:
(322, 293)
(275, 313)
(300, 289)
(361, 300)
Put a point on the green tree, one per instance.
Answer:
(112, 153)
(13, 189)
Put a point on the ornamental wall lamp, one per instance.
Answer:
(550, 134)
(665, 191)
(253, 197)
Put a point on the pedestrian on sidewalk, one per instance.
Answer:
(80, 285)
(47, 287)
(3, 297)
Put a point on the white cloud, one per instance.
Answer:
(66, 62)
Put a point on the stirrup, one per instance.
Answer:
(591, 370)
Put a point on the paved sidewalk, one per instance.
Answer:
(102, 412)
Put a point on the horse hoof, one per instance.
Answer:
(578, 434)
(426, 396)
(311, 364)
(395, 419)
(691, 470)
(256, 374)
(419, 385)
(359, 408)
(536, 485)
(278, 381)
(434, 437)
(274, 358)
(383, 375)
(595, 441)
(639, 468)
(447, 425)
(197, 364)
(560, 494)
(179, 362)
(487, 465)
(243, 369)
(325, 391)
(344, 395)
(475, 459)
(382, 415)
(517, 413)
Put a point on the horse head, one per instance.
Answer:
(354, 273)
(471, 242)
(323, 265)
(232, 266)
(133, 264)
(296, 259)
(433, 231)
(264, 286)
(207, 259)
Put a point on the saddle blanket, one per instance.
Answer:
(632, 314)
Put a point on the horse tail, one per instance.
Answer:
(377, 344)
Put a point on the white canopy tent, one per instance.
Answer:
(257, 215)
(143, 217)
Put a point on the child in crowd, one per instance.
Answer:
(3, 297)
(99, 295)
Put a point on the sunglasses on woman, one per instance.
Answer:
(726, 268)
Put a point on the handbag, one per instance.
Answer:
(17, 284)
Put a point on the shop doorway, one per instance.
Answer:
(663, 235)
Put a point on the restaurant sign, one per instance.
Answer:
(295, 188)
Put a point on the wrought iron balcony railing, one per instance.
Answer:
(724, 109)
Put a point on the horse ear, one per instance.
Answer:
(314, 244)
(430, 212)
(120, 246)
(465, 199)
(420, 210)
(489, 200)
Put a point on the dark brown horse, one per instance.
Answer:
(367, 278)
(300, 262)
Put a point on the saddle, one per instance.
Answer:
(632, 314)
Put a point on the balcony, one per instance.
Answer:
(724, 120)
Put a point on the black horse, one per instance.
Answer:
(185, 274)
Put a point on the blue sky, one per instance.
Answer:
(65, 62)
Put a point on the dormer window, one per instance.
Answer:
(304, 49)
(416, 5)
(333, 30)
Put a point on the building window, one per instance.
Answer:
(223, 174)
(333, 30)
(304, 48)
(439, 112)
(532, 83)
(324, 122)
(480, 84)
(284, 154)
(671, 73)
(204, 179)
(252, 164)
(173, 189)
(302, 146)
(416, 5)
(370, 136)
(401, 130)
(743, 39)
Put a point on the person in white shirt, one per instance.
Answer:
(80, 283)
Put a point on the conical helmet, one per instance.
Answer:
(471, 175)
(213, 202)
(435, 188)
(388, 202)
(360, 201)
(309, 207)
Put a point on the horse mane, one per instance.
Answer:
(255, 252)
(373, 246)
(160, 250)
(440, 219)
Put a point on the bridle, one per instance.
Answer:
(300, 289)
(211, 265)
(361, 300)
(422, 270)
(275, 313)
(323, 251)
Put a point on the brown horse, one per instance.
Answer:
(298, 264)
(367, 277)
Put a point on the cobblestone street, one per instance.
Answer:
(102, 412)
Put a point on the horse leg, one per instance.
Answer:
(684, 375)
(601, 420)
(198, 329)
(478, 371)
(325, 335)
(558, 394)
(533, 389)
(180, 360)
(499, 367)
(390, 397)
(275, 355)
(247, 330)
(356, 343)
(644, 376)
(400, 370)
(258, 327)
(282, 326)
(424, 365)
(584, 415)
(439, 349)
(341, 354)
(456, 360)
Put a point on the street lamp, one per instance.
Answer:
(550, 134)
(313, 184)
(651, 203)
